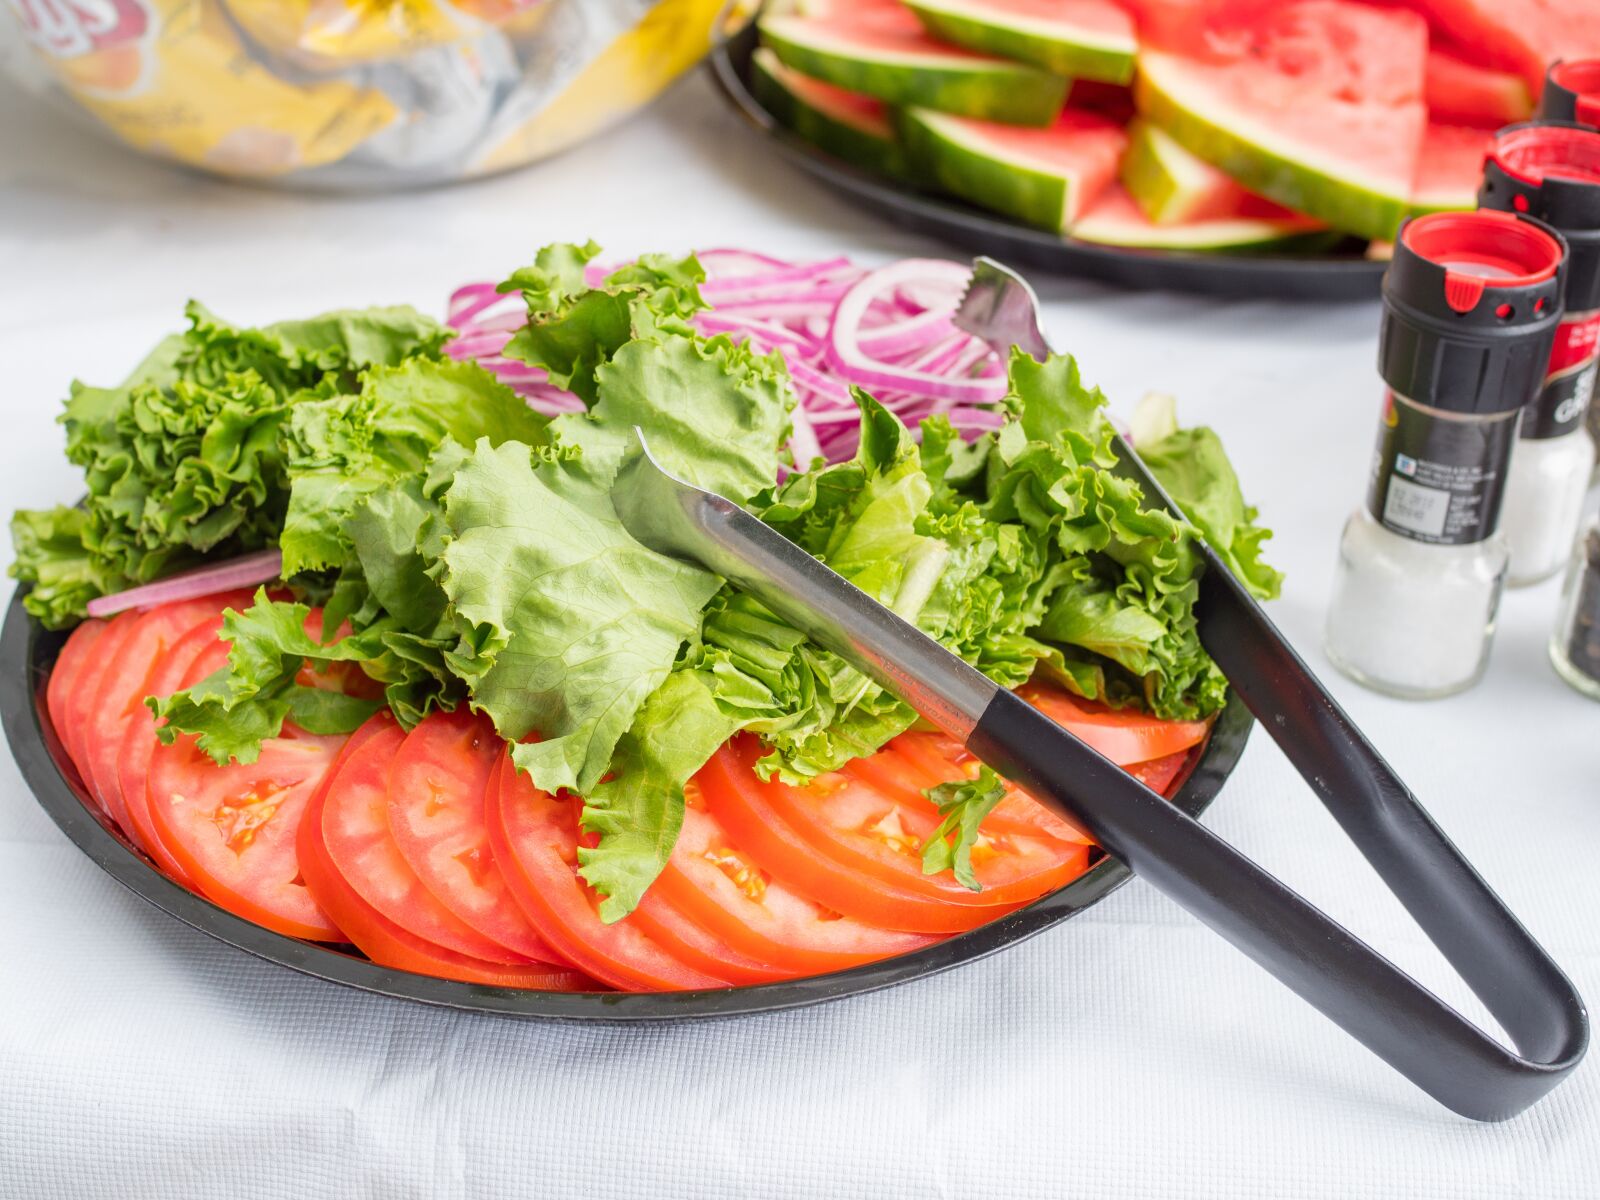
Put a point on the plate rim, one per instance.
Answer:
(1262, 276)
(27, 651)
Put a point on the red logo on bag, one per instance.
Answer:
(73, 28)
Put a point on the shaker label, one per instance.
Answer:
(1565, 394)
(1439, 479)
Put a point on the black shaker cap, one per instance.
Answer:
(1471, 302)
(1551, 170)
(1572, 92)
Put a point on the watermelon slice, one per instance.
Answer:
(1315, 104)
(1254, 225)
(1524, 36)
(1042, 177)
(1465, 93)
(1085, 39)
(847, 125)
(884, 52)
(1450, 168)
(1171, 185)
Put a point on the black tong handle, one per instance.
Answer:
(1372, 999)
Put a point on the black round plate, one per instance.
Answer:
(1280, 277)
(27, 653)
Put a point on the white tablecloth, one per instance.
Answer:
(1129, 1053)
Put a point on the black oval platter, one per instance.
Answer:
(1281, 277)
(27, 652)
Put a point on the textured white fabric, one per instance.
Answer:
(1127, 1054)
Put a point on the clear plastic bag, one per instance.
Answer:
(357, 93)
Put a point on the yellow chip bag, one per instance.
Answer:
(173, 78)
(350, 31)
(669, 38)
(359, 93)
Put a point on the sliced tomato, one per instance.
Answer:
(231, 828)
(858, 849)
(76, 656)
(758, 912)
(355, 830)
(1162, 774)
(78, 703)
(139, 743)
(914, 762)
(380, 939)
(1123, 735)
(125, 682)
(534, 836)
(436, 788)
(696, 946)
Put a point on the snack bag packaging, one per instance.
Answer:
(359, 93)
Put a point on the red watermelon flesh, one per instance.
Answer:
(1316, 104)
(1461, 91)
(1450, 167)
(1524, 36)
(1251, 224)
(1085, 143)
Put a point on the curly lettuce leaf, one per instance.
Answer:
(63, 576)
(345, 449)
(185, 460)
(964, 804)
(573, 329)
(568, 623)
(1194, 469)
(238, 706)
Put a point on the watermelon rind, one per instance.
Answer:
(1263, 160)
(844, 135)
(1054, 45)
(943, 152)
(992, 89)
(1168, 182)
(1214, 235)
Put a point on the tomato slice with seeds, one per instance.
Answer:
(380, 939)
(857, 849)
(914, 762)
(534, 836)
(77, 655)
(355, 831)
(758, 912)
(126, 681)
(139, 742)
(776, 845)
(692, 944)
(78, 704)
(232, 828)
(436, 787)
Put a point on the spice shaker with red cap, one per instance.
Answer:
(1572, 92)
(1471, 303)
(1551, 170)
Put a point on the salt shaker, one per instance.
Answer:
(1572, 92)
(1471, 302)
(1551, 171)
(1575, 641)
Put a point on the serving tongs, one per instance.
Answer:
(1360, 990)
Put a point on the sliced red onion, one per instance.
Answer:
(848, 359)
(832, 323)
(725, 287)
(261, 567)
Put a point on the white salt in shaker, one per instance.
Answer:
(1471, 302)
(1552, 171)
